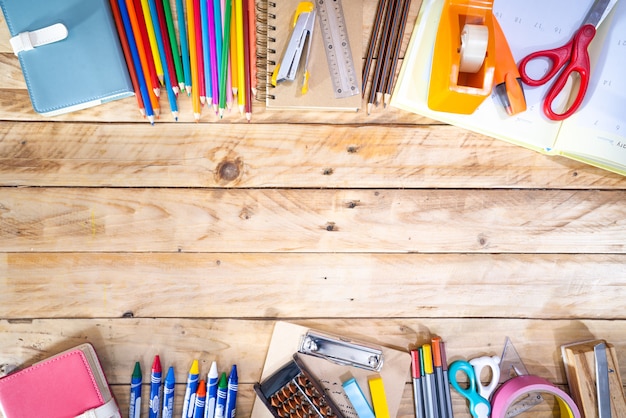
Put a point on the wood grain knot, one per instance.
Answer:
(229, 171)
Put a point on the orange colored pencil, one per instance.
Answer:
(193, 59)
(132, 13)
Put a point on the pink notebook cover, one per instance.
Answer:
(62, 386)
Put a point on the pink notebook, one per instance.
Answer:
(67, 385)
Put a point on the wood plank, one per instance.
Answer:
(295, 220)
(350, 285)
(121, 342)
(279, 155)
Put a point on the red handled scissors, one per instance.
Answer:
(572, 57)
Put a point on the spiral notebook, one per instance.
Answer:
(287, 95)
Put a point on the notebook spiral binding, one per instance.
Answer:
(265, 48)
(264, 17)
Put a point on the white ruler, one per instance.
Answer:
(337, 48)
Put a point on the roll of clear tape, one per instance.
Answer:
(474, 40)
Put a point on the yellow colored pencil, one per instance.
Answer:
(193, 59)
(145, 7)
(240, 71)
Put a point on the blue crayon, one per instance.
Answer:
(198, 410)
(211, 397)
(222, 393)
(135, 393)
(168, 394)
(190, 392)
(231, 397)
(155, 389)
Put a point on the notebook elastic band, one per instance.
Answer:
(27, 41)
(107, 410)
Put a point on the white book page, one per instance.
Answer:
(529, 26)
(598, 130)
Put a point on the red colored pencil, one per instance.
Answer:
(199, 50)
(247, 87)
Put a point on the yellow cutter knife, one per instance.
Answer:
(301, 35)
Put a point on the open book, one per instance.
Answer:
(595, 134)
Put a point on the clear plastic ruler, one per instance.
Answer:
(337, 48)
(511, 365)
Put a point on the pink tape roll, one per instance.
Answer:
(521, 385)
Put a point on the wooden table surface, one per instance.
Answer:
(191, 240)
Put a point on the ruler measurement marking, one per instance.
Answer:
(337, 48)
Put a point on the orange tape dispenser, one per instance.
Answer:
(464, 57)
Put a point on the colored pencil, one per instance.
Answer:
(140, 30)
(165, 34)
(144, 55)
(184, 45)
(124, 12)
(214, 18)
(389, 83)
(119, 24)
(241, 75)
(145, 7)
(384, 42)
(234, 55)
(247, 93)
(169, 88)
(199, 54)
(225, 50)
(393, 34)
(206, 47)
(374, 40)
(252, 45)
(193, 60)
(218, 15)
(171, 31)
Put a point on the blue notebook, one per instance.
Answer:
(69, 51)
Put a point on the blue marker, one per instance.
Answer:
(231, 397)
(135, 393)
(168, 394)
(190, 392)
(211, 396)
(155, 389)
(222, 392)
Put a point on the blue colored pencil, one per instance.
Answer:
(184, 46)
(141, 78)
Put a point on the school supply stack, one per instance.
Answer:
(330, 51)
(68, 384)
(69, 53)
(592, 134)
(329, 376)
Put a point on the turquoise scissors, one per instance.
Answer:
(476, 393)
